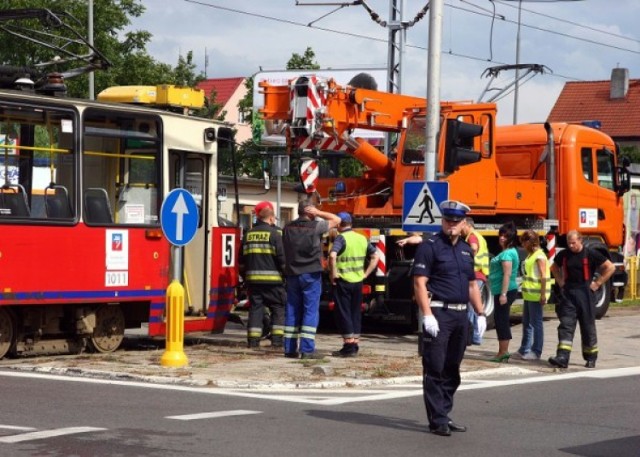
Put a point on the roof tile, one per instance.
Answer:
(589, 100)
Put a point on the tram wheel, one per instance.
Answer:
(7, 332)
(109, 331)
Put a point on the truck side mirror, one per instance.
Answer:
(459, 144)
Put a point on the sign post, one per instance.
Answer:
(179, 222)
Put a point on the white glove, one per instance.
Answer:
(482, 325)
(430, 324)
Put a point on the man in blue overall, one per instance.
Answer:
(444, 284)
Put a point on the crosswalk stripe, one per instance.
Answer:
(48, 434)
(213, 415)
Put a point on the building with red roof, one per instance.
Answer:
(615, 104)
(229, 92)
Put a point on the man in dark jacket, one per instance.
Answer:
(263, 265)
(303, 251)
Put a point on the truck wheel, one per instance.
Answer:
(489, 308)
(603, 298)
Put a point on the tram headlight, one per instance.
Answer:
(209, 135)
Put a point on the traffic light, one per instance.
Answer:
(459, 147)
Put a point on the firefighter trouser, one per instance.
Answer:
(441, 359)
(302, 312)
(261, 296)
(348, 297)
(577, 305)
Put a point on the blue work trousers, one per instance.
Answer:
(302, 312)
(441, 359)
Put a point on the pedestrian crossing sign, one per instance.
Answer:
(421, 205)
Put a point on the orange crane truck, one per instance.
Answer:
(548, 177)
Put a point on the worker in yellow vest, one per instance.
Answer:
(347, 262)
(481, 268)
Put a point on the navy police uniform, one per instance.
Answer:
(449, 269)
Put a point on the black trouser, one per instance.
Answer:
(441, 359)
(272, 296)
(577, 305)
(348, 297)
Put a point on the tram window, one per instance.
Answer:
(122, 156)
(37, 150)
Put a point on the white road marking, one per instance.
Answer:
(213, 415)
(16, 427)
(346, 395)
(48, 434)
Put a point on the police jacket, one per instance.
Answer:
(263, 254)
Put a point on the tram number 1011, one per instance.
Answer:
(116, 278)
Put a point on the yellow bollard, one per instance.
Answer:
(174, 355)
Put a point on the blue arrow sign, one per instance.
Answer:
(179, 217)
(421, 205)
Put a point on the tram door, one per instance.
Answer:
(190, 172)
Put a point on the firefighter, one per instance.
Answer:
(444, 284)
(303, 244)
(347, 259)
(579, 272)
(263, 262)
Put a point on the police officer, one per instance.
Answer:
(444, 284)
(347, 263)
(579, 272)
(263, 265)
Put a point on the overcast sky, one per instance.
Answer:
(577, 41)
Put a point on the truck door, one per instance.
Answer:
(189, 171)
(610, 209)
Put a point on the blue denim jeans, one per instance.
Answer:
(473, 317)
(302, 312)
(532, 328)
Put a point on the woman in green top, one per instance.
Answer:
(503, 270)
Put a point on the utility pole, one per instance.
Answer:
(433, 87)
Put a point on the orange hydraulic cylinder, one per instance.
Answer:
(374, 159)
(174, 355)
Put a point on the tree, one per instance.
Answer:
(303, 62)
(130, 62)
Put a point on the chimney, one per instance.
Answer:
(619, 83)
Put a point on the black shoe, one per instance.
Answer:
(456, 427)
(276, 342)
(253, 343)
(590, 364)
(291, 355)
(442, 430)
(311, 356)
(348, 350)
(559, 362)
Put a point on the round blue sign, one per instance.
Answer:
(179, 217)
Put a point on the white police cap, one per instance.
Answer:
(454, 210)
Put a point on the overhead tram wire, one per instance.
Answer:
(384, 40)
(567, 21)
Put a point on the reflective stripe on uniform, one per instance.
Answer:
(264, 276)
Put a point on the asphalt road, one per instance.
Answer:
(590, 414)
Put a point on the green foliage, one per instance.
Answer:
(303, 62)
(631, 152)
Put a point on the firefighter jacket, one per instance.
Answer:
(531, 281)
(263, 254)
(350, 262)
(481, 259)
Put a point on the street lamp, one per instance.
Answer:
(517, 82)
